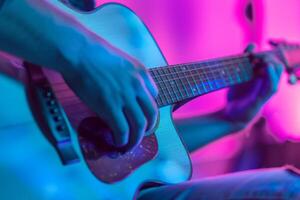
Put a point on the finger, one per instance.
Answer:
(271, 81)
(279, 68)
(119, 126)
(262, 61)
(137, 122)
(149, 82)
(250, 48)
(149, 107)
(84, 5)
(272, 60)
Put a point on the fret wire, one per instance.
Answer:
(174, 94)
(171, 84)
(192, 77)
(178, 83)
(167, 99)
(67, 88)
(236, 58)
(241, 58)
(162, 88)
(208, 68)
(196, 85)
(188, 88)
(229, 83)
(215, 79)
(168, 91)
(228, 60)
(220, 78)
(200, 78)
(233, 73)
(240, 71)
(243, 72)
(206, 83)
(184, 92)
(175, 88)
(63, 83)
(211, 76)
(194, 88)
(237, 73)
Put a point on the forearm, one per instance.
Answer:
(201, 130)
(37, 32)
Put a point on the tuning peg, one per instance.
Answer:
(277, 42)
(293, 79)
(273, 43)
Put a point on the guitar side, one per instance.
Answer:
(32, 164)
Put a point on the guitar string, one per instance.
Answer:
(158, 68)
(211, 69)
(209, 74)
(225, 59)
(215, 68)
(164, 101)
(177, 92)
(84, 110)
(184, 85)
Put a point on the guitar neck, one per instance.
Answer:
(185, 81)
(175, 83)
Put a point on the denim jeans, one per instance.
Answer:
(273, 183)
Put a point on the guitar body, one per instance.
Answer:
(30, 167)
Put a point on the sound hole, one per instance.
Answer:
(107, 163)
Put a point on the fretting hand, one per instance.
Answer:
(244, 101)
(118, 89)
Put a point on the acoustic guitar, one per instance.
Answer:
(55, 147)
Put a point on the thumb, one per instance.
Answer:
(250, 48)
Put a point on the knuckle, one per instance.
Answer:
(141, 68)
(153, 112)
(121, 130)
(280, 68)
(113, 106)
(135, 80)
(141, 123)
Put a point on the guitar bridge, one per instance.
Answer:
(49, 115)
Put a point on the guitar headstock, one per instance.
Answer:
(290, 56)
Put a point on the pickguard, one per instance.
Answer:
(105, 161)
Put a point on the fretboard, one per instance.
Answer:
(175, 83)
(185, 81)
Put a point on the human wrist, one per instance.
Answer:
(69, 49)
(237, 123)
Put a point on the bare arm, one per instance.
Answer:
(201, 130)
(35, 31)
(39, 33)
(244, 102)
